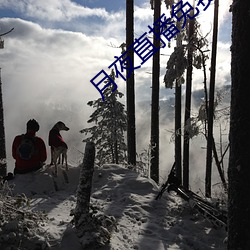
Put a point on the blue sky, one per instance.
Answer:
(57, 46)
(109, 5)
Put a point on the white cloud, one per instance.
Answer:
(48, 69)
(53, 10)
(44, 70)
(53, 55)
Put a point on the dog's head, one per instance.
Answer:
(61, 126)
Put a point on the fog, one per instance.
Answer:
(47, 64)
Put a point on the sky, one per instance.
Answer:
(58, 46)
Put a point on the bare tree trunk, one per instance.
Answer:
(154, 168)
(81, 215)
(131, 131)
(188, 105)
(178, 158)
(178, 130)
(3, 161)
(93, 231)
(239, 159)
(211, 103)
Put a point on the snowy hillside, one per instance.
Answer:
(141, 221)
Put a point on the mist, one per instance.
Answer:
(47, 65)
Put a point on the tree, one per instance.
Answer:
(239, 159)
(154, 163)
(91, 227)
(178, 83)
(110, 125)
(131, 130)
(176, 66)
(3, 160)
(210, 139)
(3, 163)
(83, 192)
(188, 102)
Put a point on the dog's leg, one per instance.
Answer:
(63, 157)
(66, 161)
(59, 159)
(55, 158)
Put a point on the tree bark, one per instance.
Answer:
(131, 131)
(3, 161)
(239, 159)
(178, 156)
(83, 193)
(188, 104)
(154, 168)
(211, 103)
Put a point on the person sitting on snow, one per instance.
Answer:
(29, 150)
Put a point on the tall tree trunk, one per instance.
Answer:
(3, 161)
(154, 168)
(239, 159)
(188, 104)
(131, 131)
(178, 131)
(178, 158)
(209, 158)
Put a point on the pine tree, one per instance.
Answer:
(187, 111)
(154, 167)
(131, 127)
(175, 69)
(238, 170)
(3, 164)
(3, 161)
(110, 121)
(210, 138)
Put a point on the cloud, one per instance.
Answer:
(56, 10)
(46, 75)
(48, 61)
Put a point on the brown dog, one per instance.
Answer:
(58, 146)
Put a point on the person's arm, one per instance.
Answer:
(14, 147)
(43, 152)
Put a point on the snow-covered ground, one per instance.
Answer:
(141, 221)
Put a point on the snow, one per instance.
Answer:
(142, 222)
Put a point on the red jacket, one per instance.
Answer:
(37, 159)
(55, 139)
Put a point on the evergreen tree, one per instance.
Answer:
(3, 161)
(154, 167)
(239, 170)
(110, 120)
(210, 139)
(188, 53)
(3, 164)
(131, 127)
(187, 110)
